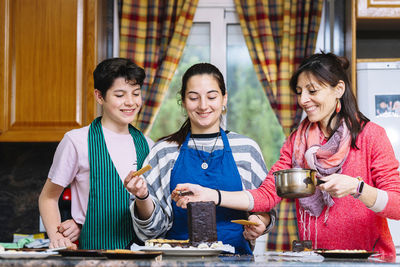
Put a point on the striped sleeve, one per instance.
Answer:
(162, 158)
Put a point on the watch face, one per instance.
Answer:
(360, 188)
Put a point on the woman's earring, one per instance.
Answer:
(338, 106)
(224, 109)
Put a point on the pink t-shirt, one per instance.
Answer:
(71, 164)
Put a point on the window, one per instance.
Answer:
(171, 115)
(249, 111)
(216, 37)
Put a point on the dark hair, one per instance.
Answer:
(330, 69)
(110, 69)
(197, 69)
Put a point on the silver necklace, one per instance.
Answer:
(204, 165)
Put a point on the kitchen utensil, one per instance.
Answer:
(185, 193)
(296, 182)
(55, 249)
(376, 241)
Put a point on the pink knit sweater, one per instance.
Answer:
(350, 224)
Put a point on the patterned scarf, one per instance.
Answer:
(325, 159)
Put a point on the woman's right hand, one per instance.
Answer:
(136, 185)
(198, 193)
(252, 232)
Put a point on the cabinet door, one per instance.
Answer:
(48, 53)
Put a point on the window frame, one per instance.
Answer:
(218, 14)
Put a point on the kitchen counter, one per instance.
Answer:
(237, 261)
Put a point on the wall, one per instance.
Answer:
(23, 171)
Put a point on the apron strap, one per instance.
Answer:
(224, 138)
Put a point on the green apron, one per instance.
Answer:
(108, 223)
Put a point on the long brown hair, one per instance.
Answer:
(197, 69)
(330, 69)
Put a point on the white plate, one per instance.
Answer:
(185, 251)
(25, 254)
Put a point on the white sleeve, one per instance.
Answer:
(65, 163)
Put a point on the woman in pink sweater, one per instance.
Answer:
(351, 154)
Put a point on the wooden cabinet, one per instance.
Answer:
(378, 9)
(48, 53)
(375, 32)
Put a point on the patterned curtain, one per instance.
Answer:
(279, 35)
(153, 34)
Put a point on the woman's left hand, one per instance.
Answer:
(339, 185)
(252, 232)
(70, 229)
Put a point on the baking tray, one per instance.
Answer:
(80, 253)
(184, 252)
(345, 254)
(132, 254)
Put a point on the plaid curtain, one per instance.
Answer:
(153, 34)
(279, 35)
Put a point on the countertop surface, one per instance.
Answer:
(222, 260)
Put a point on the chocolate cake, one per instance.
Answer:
(202, 223)
(202, 229)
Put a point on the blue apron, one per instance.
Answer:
(222, 173)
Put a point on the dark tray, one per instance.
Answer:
(345, 255)
(132, 255)
(80, 253)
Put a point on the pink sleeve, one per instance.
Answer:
(65, 163)
(384, 172)
(265, 197)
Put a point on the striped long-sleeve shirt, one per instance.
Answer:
(162, 157)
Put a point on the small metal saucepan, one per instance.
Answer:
(296, 182)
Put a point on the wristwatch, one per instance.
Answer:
(360, 187)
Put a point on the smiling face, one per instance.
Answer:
(120, 105)
(203, 103)
(317, 99)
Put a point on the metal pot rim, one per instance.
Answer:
(293, 170)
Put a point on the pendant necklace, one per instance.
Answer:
(204, 165)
